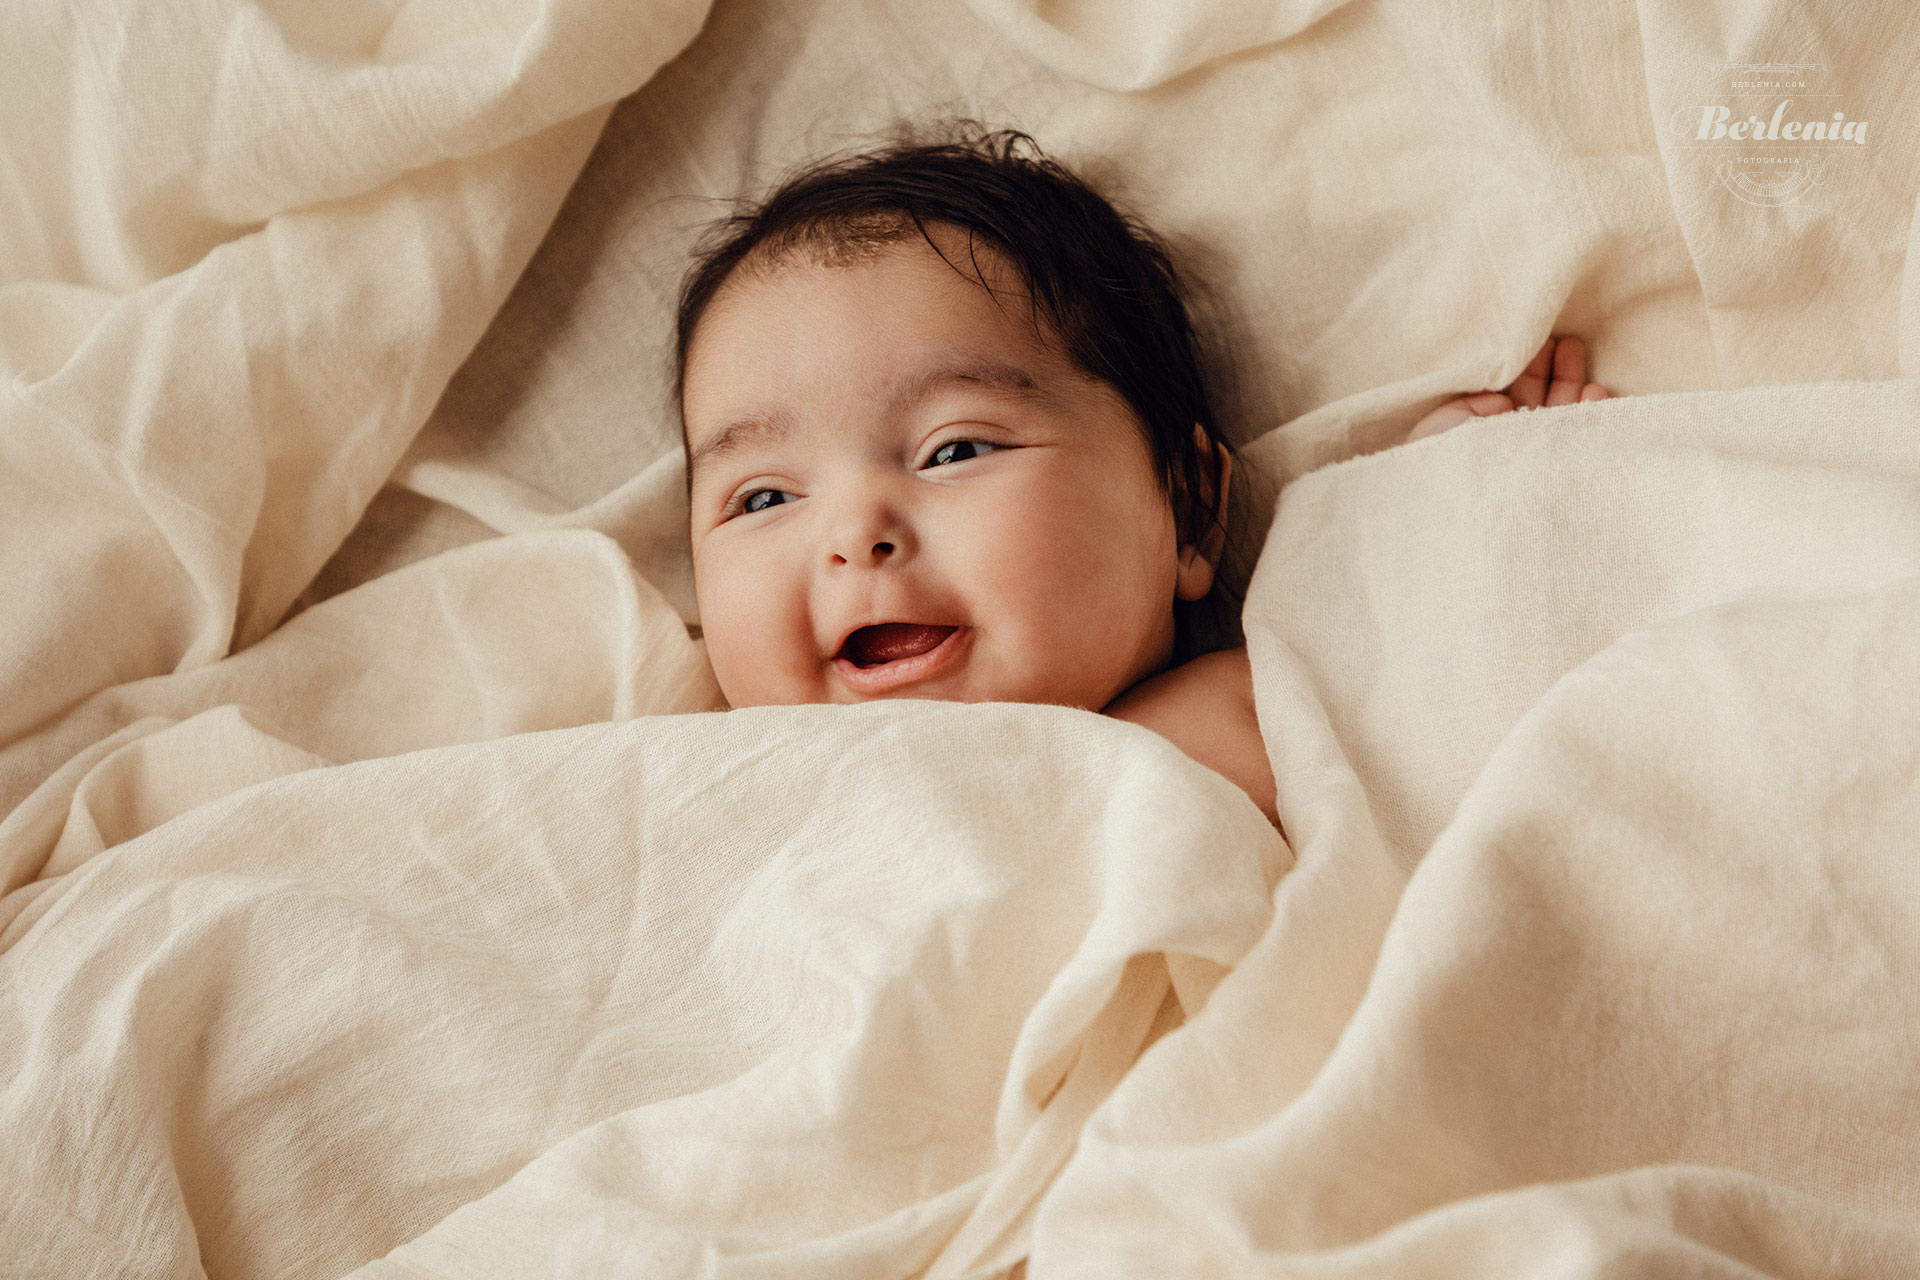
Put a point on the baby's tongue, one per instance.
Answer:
(891, 641)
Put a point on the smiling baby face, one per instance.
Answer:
(900, 489)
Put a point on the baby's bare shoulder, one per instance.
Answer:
(1211, 682)
(1205, 707)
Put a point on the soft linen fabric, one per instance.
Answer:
(515, 635)
(1600, 956)
(247, 247)
(362, 939)
(825, 967)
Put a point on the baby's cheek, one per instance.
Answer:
(1107, 553)
(746, 639)
(1087, 583)
(1038, 553)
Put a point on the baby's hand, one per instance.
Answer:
(1562, 359)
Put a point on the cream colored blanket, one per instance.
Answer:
(436, 931)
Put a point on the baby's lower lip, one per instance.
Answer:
(886, 677)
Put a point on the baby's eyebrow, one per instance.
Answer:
(742, 434)
(996, 375)
(770, 426)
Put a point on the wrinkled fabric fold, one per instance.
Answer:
(291, 250)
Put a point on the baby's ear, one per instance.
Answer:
(1199, 559)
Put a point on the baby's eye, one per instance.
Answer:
(959, 451)
(761, 499)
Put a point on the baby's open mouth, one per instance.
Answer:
(891, 641)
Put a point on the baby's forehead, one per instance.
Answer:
(788, 288)
(949, 251)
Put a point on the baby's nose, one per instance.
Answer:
(868, 533)
(873, 555)
(867, 518)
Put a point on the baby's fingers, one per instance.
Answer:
(1529, 390)
(1481, 404)
(1569, 372)
(1445, 418)
(1594, 391)
(1484, 404)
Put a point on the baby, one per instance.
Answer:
(947, 437)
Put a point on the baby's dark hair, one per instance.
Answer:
(1099, 283)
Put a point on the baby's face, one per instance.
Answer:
(899, 490)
